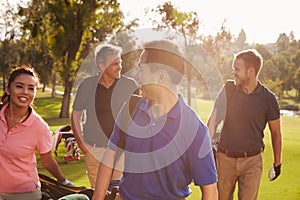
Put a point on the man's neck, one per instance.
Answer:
(106, 81)
(250, 87)
(163, 102)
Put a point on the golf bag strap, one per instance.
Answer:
(229, 89)
(134, 102)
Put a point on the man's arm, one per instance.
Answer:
(104, 174)
(77, 131)
(209, 192)
(211, 123)
(275, 130)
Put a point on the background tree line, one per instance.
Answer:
(57, 36)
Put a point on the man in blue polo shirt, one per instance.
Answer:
(250, 106)
(166, 145)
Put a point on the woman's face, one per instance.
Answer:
(22, 90)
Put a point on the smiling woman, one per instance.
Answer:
(22, 133)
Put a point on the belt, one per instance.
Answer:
(238, 154)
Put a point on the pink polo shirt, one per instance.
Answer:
(18, 172)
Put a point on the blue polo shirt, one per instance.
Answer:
(164, 155)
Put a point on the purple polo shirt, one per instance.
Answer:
(164, 155)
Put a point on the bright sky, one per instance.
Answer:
(262, 20)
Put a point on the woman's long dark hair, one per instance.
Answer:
(18, 70)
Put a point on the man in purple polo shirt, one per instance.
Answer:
(166, 145)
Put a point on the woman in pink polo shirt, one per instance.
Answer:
(22, 133)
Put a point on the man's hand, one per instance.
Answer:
(274, 172)
(68, 183)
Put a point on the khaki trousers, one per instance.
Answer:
(246, 171)
(92, 162)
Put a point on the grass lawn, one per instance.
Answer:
(287, 186)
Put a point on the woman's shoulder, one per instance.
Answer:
(37, 121)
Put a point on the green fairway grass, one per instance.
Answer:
(287, 186)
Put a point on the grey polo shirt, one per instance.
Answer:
(101, 106)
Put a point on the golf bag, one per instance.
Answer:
(64, 134)
(53, 190)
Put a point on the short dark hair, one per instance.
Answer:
(252, 58)
(166, 53)
(103, 50)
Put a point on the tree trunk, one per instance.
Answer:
(53, 79)
(65, 106)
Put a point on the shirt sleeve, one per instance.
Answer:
(201, 159)
(45, 140)
(274, 110)
(80, 97)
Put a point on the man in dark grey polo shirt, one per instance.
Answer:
(249, 107)
(100, 97)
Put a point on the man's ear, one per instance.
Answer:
(251, 70)
(101, 67)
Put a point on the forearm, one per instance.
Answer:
(211, 123)
(50, 164)
(275, 129)
(102, 183)
(104, 175)
(76, 128)
(277, 148)
(209, 192)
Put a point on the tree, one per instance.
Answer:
(296, 77)
(186, 23)
(130, 49)
(297, 82)
(282, 44)
(70, 28)
(240, 41)
(10, 49)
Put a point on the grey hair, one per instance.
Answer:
(103, 50)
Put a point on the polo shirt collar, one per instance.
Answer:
(173, 113)
(257, 90)
(28, 122)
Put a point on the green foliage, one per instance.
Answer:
(274, 86)
(69, 30)
(186, 23)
